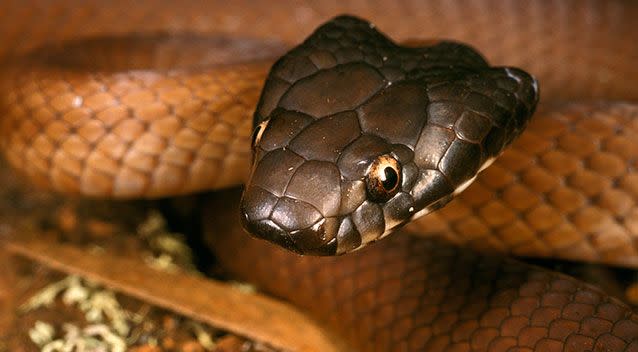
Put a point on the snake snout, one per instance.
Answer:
(269, 217)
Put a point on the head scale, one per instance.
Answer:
(355, 135)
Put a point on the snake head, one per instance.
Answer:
(356, 135)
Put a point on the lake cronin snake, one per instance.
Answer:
(78, 120)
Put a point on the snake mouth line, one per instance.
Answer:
(311, 240)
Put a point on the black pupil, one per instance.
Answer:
(391, 178)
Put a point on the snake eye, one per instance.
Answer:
(258, 133)
(383, 178)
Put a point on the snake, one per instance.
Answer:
(354, 138)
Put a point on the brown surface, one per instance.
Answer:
(567, 188)
(158, 330)
(135, 134)
(409, 294)
(71, 124)
(220, 305)
(578, 50)
(90, 227)
(7, 298)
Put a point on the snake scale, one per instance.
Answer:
(90, 117)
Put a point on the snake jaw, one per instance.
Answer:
(318, 238)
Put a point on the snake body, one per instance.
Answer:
(96, 127)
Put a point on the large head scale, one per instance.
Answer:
(355, 135)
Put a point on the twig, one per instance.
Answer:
(223, 306)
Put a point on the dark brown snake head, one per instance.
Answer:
(356, 135)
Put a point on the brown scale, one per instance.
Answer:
(409, 294)
(519, 205)
(438, 110)
(566, 188)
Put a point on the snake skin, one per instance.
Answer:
(567, 188)
(577, 50)
(582, 43)
(440, 110)
(73, 126)
(409, 294)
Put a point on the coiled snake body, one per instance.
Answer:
(566, 188)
